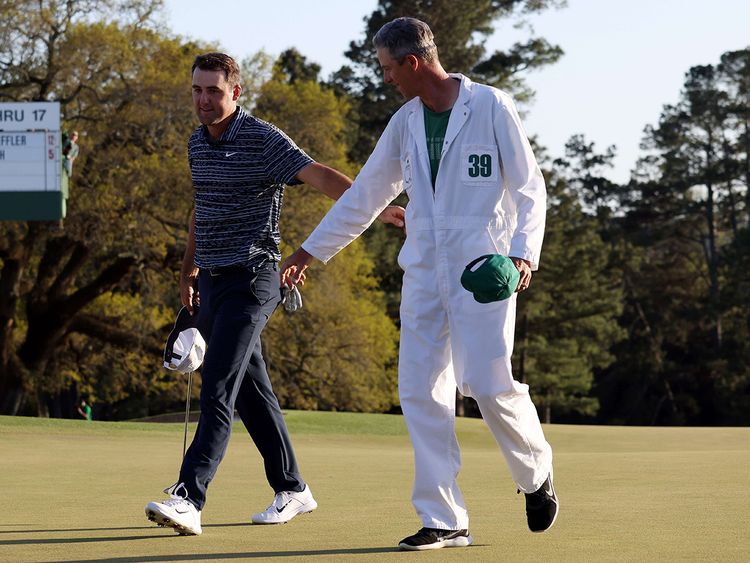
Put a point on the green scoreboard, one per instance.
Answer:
(32, 184)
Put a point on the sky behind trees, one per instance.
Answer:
(623, 59)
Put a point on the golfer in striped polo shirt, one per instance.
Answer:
(239, 165)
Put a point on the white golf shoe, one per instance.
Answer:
(285, 506)
(176, 512)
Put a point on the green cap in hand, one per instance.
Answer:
(492, 277)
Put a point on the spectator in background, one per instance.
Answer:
(84, 409)
(70, 152)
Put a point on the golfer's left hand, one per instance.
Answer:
(293, 268)
(393, 214)
(524, 268)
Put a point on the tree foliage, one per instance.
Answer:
(567, 325)
(85, 304)
(122, 234)
(683, 219)
(639, 314)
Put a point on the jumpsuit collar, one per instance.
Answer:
(460, 113)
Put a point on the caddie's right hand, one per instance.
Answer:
(524, 269)
(293, 268)
(189, 295)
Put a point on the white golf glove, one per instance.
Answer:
(291, 298)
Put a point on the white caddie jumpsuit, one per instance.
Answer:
(489, 197)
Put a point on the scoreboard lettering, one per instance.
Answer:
(12, 140)
(32, 186)
(23, 116)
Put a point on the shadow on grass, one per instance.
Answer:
(74, 530)
(51, 531)
(182, 557)
(162, 533)
(246, 555)
(43, 541)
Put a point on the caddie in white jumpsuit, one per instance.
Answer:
(488, 197)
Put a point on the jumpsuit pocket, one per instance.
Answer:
(485, 241)
(407, 170)
(405, 255)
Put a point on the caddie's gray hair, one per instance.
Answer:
(406, 36)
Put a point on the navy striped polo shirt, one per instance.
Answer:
(239, 189)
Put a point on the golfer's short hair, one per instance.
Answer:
(406, 36)
(219, 61)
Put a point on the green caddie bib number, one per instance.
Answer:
(480, 165)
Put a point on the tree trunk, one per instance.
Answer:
(747, 169)
(13, 401)
(460, 405)
(10, 380)
(16, 258)
(711, 252)
(42, 410)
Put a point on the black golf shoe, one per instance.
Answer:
(542, 507)
(433, 538)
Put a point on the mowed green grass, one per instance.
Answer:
(75, 491)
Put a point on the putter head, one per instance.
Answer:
(185, 346)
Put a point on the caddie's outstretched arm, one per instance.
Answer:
(377, 184)
(333, 184)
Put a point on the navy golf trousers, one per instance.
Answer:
(235, 306)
